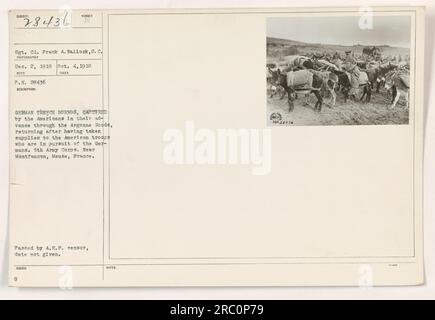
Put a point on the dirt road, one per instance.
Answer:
(352, 113)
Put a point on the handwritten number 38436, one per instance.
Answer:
(51, 21)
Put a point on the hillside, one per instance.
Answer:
(278, 48)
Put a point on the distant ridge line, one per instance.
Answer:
(301, 43)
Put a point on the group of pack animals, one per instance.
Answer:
(302, 75)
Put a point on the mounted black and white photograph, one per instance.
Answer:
(338, 70)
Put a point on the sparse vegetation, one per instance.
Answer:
(353, 112)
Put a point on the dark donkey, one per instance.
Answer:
(373, 51)
(301, 82)
(343, 84)
(377, 75)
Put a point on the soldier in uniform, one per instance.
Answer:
(349, 57)
(349, 61)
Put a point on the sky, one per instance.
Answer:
(387, 30)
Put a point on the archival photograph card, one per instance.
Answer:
(216, 147)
